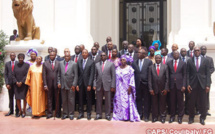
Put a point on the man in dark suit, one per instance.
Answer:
(96, 44)
(131, 52)
(104, 83)
(211, 62)
(165, 58)
(67, 81)
(94, 55)
(77, 56)
(198, 84)
(50, 74)
(125, 48)
(177, 82)
(110, 48)
(185, 58)
(190, 53)
(105, 47)
(158, 82)
(86, 68)
(50, 49)
(174, 48)
(8, 73)
(141, 68)
(14, 36)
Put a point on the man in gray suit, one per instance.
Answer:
(104, 84)
(67, 81)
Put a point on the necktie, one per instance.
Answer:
(140, 66)
(93, 57)
(84, 63)
(164, 60)
(76, 58)
(175, 66)
(12, 66)
(191, 53)
(183, 59)
(109, 54)
(66, 67)
(52, 66)
(158, 69)
(197, 63)
(103, 66)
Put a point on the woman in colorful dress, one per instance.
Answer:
(114, 59)
(157, 45)
(125, 96)
(37, 98)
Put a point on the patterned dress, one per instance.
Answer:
(124, 104)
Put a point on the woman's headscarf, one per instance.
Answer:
(159, 43)
(30, 51)
(127, 58)
(153, 47)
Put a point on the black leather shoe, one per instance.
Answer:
(88, 116)
(154, 120)
(191, 120)
(64, 117)
(57, 116)
(18, 114)
(179, 120)
(202, 121)
(98, 117)
(71, 117)
(23, 115)
(81, 115)
(108, 118)
(171, 120)
(49, 116)
(9, 113)
(146, 119)
(163, 120)
(208, 114)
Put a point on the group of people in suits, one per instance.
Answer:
(158, 82)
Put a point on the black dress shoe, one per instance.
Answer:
(146, 119)
(23, 115)
(191, 120)
(98, 117)
(9, 113)
(57, 116)
(154, 120)
(108, 118)
(208, 114)
(202, 121)
(179, 120)
(18, 114)
(49, 116)
(71, 117)
(171, 120)
(64, 117)
(163, 120)
(88, 116)
(81, 115)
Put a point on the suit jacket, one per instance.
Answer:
(188, 53)
(167, 59)
(57, 58)
(141, 76)
(50, 75)
(13, 37)
(99, 53)
(79, 58)
(105, 48)
(161, 82)
(135, 56)
(70, 77)
(86, 75)
(170, 55)
(202, 75)
(8, 74)
(122, 52)
(211, 62)
(107, 78)
(178, 77)
(118, 55)
(97, 59)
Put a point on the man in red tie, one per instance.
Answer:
(50, 74)
(165, 58)
(158, 82)
(190, 53)
(110, 48)
(198, 84)
(77, 56)
(9, 66)
(177, 73)
(104, 83)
